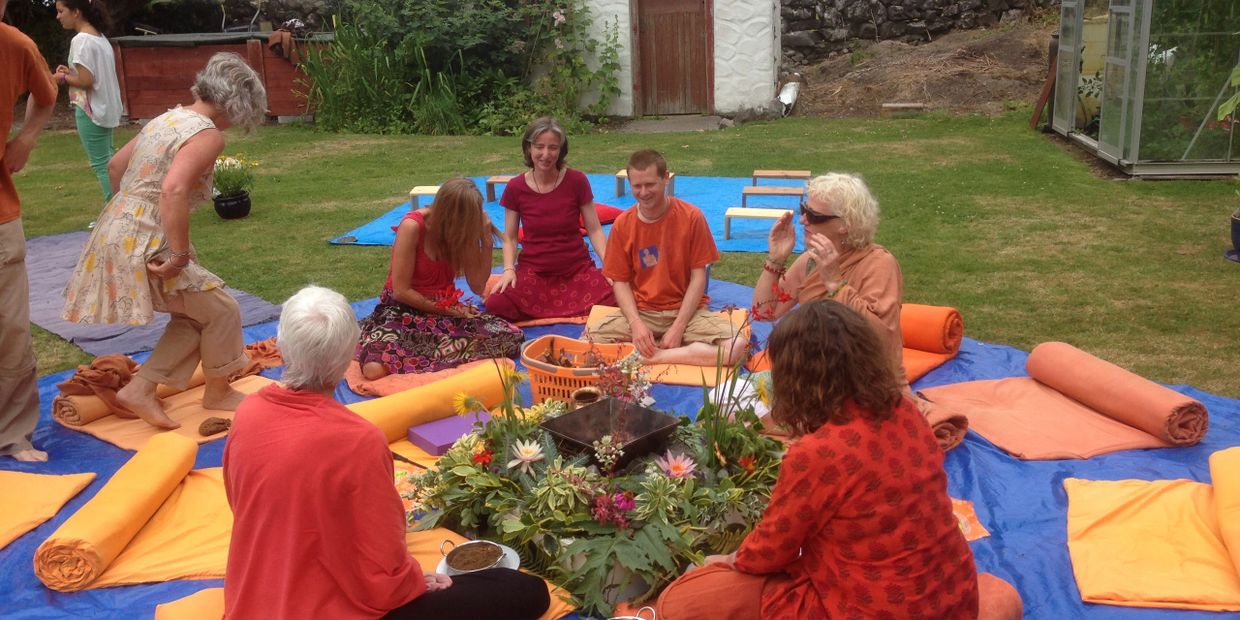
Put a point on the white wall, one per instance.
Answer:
(746, 54)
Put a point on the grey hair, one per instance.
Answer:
(317, 335)
(539, 127)
(229, 83)
(852, 200)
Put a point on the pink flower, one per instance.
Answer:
(624, 501)
(558, 16)
(676, 465)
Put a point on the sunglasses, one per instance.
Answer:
(815, 218)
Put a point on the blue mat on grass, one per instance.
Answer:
(713, 195)
(1021, 503)
(50, 261)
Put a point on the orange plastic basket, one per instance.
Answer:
(557, 382)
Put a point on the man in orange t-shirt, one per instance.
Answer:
(657, 254)
(22, 70)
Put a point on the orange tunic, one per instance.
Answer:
(657, 258)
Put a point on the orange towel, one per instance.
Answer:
(684, 374)
(1169, 543)
(209, 604)
(31, 499)
(393, 384)
(1074, 405)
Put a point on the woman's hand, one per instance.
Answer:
(782, 239)
(507, 280)
(826, 257)
(163, 268)
(436, 582)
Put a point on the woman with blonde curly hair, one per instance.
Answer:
(420, 325)
(859, 524)
(139, 259)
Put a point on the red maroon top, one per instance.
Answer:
(551, 223)
(318, 527)
(432, 278)
(861, 520)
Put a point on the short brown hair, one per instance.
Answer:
(456, 225)
(646, 158)
(824, 356)
(539, 127)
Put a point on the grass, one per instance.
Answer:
(983, 214)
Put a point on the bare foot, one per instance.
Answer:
(374, 371)
(30, 455)
(145, 405)
(222, 399)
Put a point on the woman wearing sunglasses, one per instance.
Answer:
(840, 262)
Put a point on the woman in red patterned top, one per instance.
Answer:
(859, 523)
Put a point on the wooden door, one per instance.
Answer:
(674, 57)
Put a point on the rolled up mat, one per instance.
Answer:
(949, 426)
(396, 413)
(83, 546)
(78, 410)
(934, 329)
(1119, 394)
(31, 499)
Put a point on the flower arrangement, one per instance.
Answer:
(602, 532)
(234, 175)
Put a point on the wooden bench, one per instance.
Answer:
(768, 190)
(887, 110)
(623, 176)
(748, 213)
(497, 180)
(416, 194)
(780, 174)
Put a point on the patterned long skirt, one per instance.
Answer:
(406, 340)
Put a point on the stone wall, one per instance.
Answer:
(815, 29)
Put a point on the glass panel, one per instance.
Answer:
(1065, 72)
(1113, 101)
(1193, 48)
(1094, 27)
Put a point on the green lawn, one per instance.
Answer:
(983, 214)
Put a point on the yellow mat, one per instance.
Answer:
(31, 499)
(396, 413)
(184, 407)
(686, 374)
(1169, 543)
(155, 520)
(209, 604)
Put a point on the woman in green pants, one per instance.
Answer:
(91, 78)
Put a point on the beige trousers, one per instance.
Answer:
(19, 394)
(205, 327)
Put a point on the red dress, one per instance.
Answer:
(555, 275)
(861, 525)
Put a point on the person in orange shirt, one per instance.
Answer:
(657, 256)
(22, 70)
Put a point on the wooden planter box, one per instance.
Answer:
(157, 71)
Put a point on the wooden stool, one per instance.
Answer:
(748, 213)
(768, 190)
(780, 174)
(623, 176)
(416, 193)
(496, 180)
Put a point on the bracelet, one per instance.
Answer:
(176, 254)
(62, 78)
(839, 288)
(772, 267)
(510, 269)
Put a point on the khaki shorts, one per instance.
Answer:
(705, 326)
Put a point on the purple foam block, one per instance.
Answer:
(436, 437)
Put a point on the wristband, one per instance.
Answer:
(839, 288)
(176, 254)
(773, 267)
(62, 79)
(510, 269)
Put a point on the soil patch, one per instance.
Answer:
(965, 72)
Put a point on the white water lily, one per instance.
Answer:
(527, 453)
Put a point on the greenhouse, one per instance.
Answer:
(1140, 82)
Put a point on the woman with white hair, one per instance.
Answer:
(318, 526)
(841, 260)
(139, 259)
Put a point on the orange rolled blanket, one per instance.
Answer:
(1074, 405)
(932, 335)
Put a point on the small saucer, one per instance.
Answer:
(510, 560)
(1232, 255)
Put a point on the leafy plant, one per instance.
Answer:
(234, 175)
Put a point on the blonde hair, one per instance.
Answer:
(232, 86)
(852, 201)
(456, 226)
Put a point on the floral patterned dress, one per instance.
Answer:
(407, 340)
(110, 283)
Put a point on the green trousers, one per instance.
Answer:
(98, 144)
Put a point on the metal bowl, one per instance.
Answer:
(465, 548)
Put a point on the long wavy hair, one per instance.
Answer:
(825, 356)
(456, 225)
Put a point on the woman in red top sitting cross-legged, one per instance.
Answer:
(859, 523)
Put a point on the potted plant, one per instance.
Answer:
(234, 175)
